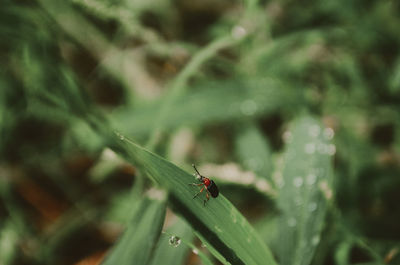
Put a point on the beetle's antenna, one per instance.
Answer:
(196, 169)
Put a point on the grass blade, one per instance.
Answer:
(218, 223)
(254, 151)
(168, 254)
(223, 100)
(305, 186)
(138, 240)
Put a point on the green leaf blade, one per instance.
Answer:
(253, 150)
(304, 190)
(219, 223)
(211, 102)
(137, 242)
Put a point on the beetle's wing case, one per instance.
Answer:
(213, 189)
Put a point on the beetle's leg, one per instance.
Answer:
(195, 184)
(199, 192)
(207, 196)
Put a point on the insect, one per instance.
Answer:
(208, 185)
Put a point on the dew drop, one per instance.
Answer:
(291, 222)
(121, 137)
(248, 107)
(238, 32)
(298, 182)
(326, 190)
(329, 133)
(312, 206)
(287, 137)
(309, 148)
(311, 179)
(331, 149)
(219, 230)
(174, 241)
(195, 251)
(315, 240)
(314, 130)
(233, 216)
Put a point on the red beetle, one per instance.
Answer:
(209, 185)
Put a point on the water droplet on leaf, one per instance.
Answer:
(287, 137)
(329, 133)
(298, 181)
(219, 230)
(314, 130)
(174, 241)
(238, 32)
(311, 179)
(312, 206)
(233, 216)
(326, 190)
(248, 107)
(315, 240)
(121, 137)
(331, 150)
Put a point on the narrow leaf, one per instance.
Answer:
(168, 253)
(209, 103)
(138, 240)
(218, 223)
(253, 150)
(305, 187)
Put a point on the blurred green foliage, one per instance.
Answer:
(259, 94)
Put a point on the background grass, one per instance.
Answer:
(292, 108)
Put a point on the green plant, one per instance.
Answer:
(291, 108)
